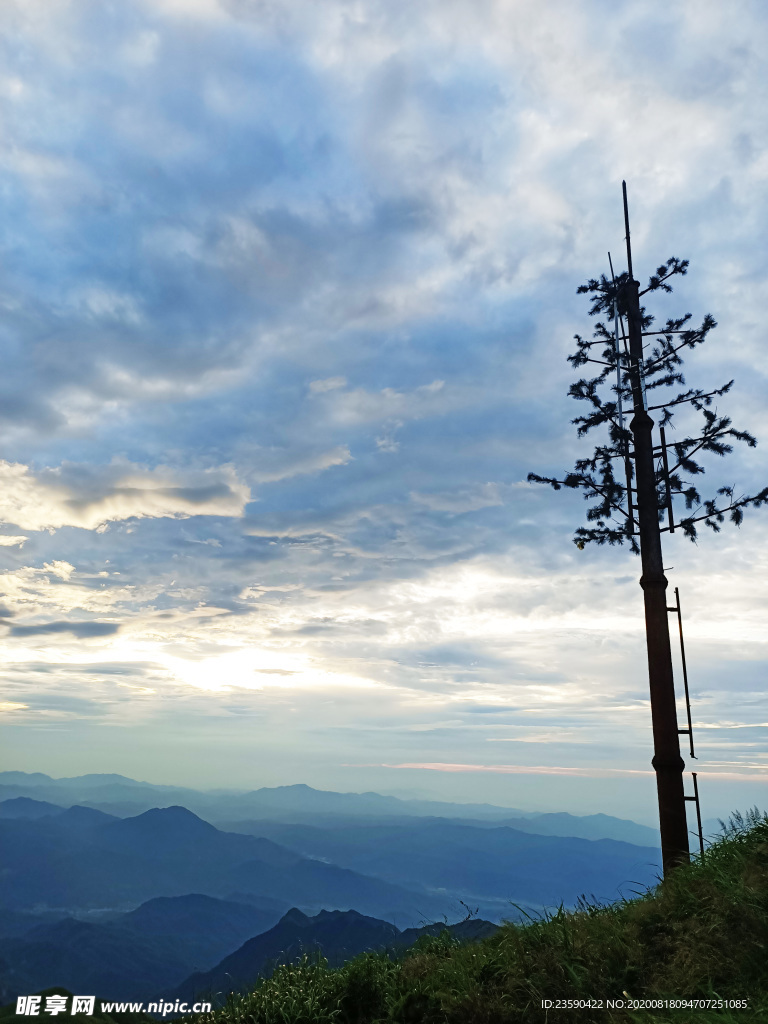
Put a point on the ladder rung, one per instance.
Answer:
(673, 609)
(690, 798)
(686, 732)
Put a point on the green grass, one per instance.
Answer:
(701, 934)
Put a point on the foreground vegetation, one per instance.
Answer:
(702, 934)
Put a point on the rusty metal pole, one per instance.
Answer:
(667, 762)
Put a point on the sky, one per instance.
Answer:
(287, 294)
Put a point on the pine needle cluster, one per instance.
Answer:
(606, 476)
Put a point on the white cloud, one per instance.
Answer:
(468, 500)
(89, 497)
(275, 465)
(329, 384)
(360, 405)
(387, 442)
(141, 48)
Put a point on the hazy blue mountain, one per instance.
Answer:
(25, 778)
(337, 935)
(90, 959)
(114, 794)
(470, 930)
(299, 801)
(203, 929)
(477, 862)
(83, 819)
(150, 951)
(14, 923)
(118, 795)
(588, 826)
(84, 859)
(132, 956)
(26, 807)
(301, 804)
(592, 826)
(164, 894)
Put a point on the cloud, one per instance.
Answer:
(321, 260)
(81, 630)
(89, 497)
(483, 496)
(516, 769)
(280, 465)
(318, 387)
(359, 405)
(386, 442)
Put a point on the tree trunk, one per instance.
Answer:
(667, 762)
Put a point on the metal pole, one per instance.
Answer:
(665, 463)
(698, 814)
(667, 762)
(624, 443)
(685, 672)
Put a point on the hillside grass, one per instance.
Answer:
(700, 934)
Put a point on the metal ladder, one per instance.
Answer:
(689, 731)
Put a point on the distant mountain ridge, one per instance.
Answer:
(337, 935)
(130, 956)
(300, 803)
(476, 862)
(26, 807)
(84, 859)
(267, 801)
(95, 898)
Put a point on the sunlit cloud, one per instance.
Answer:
(91, 497)
(514, 769)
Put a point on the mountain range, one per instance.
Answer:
(84, 859)
(337, 935)
(124, 797)
(162, 949)
(136, 955)
(133, 904)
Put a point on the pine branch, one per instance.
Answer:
(714, 516)
(594, 475)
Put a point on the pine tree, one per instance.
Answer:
(613, 523)
(631, 510)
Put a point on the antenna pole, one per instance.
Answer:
(624, 442)
(667, 762)
(626, 229)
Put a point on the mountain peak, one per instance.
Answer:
(24, 778)
(26, 807)
(295, 916)
(164, 821)
(349, 915)
(82, 814)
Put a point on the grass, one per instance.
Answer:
(700, 934)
